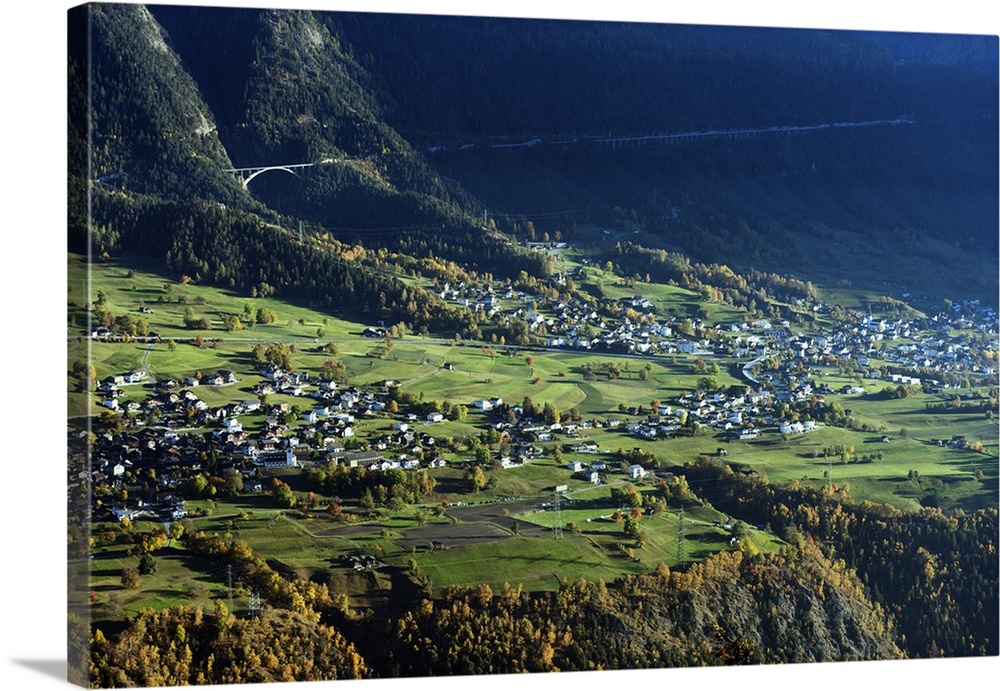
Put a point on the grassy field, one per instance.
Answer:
(132, 282)
(180, 578)
(536, 563)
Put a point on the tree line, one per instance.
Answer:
(935, 574)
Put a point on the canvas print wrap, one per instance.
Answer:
(417, 345)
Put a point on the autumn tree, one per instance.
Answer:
(478, 478)
(232, 482)
(130, 578)
(176, 530)
(282, 494)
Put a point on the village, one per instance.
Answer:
(572, 322)
(158, 447)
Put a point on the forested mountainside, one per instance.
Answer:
(150, 130)
(155, 141)
(420, 120)
(565, 85)
(731, 609)
(545, 77)
(425, 102)
(906, 561)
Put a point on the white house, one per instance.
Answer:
(435, 417)
(637, 472)
(121, 513)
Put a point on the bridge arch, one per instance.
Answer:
(246, 180)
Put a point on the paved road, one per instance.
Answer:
(746, 370)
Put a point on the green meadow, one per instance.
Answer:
(180, 578)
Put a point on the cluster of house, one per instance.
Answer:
(138, 472)
(120, 487)
(112, 389)
(957, 441)
(572, 322)
(934, 351)
(785, 427)
(740, 416)
(594, 471)
(574, 326)
(942, 343)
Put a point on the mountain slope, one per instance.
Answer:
(302, 98)
(160, 183)
(152, 132)
(416, 116)
(469, 85)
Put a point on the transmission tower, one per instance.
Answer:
(557, 529)
(254, 605)
(681, 556)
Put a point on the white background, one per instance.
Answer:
(32, 330)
